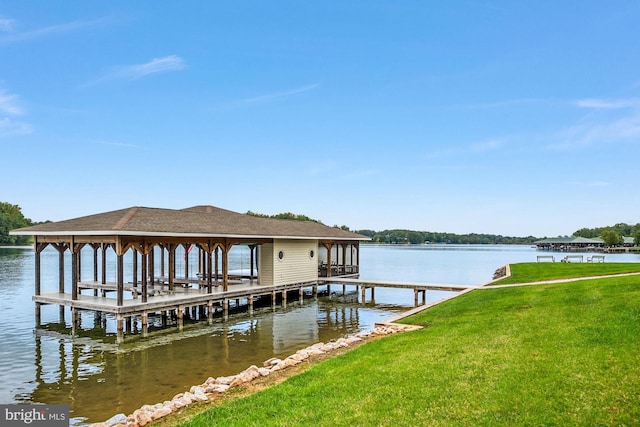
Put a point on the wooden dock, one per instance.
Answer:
(161, 299)
(419, 289)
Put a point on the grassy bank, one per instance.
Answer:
(558, 354)
(534, 271)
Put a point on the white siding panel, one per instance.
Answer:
(265, 261)
(297, 265)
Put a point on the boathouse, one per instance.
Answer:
(285, 255)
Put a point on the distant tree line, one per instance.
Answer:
(422, 237)
(612, 235)
(11, 217)
(284, 215)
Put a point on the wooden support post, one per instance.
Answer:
(186, 260)
(38, 314)
(273, 300)
(119, 322)
(75, 257)
(39, 247)
(225, 309)
(210, 312)
(284, 299)
(373, 294)
(104, 264)
(364, 291)
(315, 291)
(216, 264)
(95, 262)
(250, 302)
(144, 319)
(120, 284)
(61, 249)
(225, 267)
(180, 314)
(162, 261)
(209, 276)
(172, 264)
(415, 297)
(145, 284)
(328, 246)
(152, 265)
(344, 289)
(301, 292)
(134, 275)
(251, 250)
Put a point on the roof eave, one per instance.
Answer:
(173, 234)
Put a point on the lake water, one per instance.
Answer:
(98, 378)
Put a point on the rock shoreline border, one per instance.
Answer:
(213, 387)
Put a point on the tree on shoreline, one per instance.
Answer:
(11, 217)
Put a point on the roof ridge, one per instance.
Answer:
(125, 218)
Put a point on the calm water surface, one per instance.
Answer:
(98, 378)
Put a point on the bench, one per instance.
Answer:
(573, 258)
(547, 258)
(596, 258)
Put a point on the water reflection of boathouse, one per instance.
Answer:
(285, 256)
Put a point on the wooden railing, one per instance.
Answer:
(337, 270)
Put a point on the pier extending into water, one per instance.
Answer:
(198, 302)
(419, 289)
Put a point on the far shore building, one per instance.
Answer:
(284, 254)
(577, 244)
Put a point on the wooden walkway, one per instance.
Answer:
(418, 288)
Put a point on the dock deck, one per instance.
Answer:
(161, 298)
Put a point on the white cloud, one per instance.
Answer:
(607, 103)
(273, 96)
(9, 127)
(607, 121)
(116, 144)
(137, 71)
(9, 104)
(594, 131)
(15, 37)
(487, 145)
(9, 107)
(156, 65)
(6, 24)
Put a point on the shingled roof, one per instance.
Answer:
(197, 221)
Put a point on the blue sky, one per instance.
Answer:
(512, 118)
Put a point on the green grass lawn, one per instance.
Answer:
(539, 271)
(552, 355)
